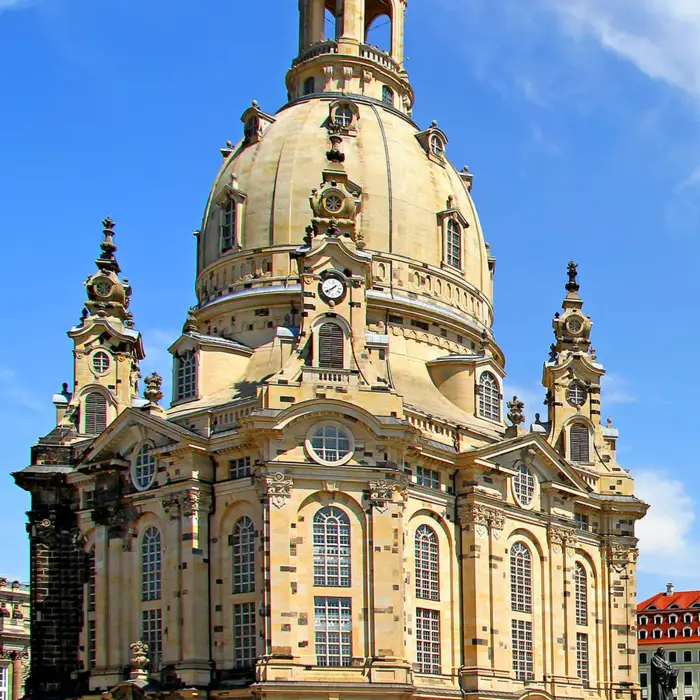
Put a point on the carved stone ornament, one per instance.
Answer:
(276, 487)
(139, 660)
(621, 554)
(482, 518)
(381, 493)
(44, 529)
(153, 384)
(516, 411)
(186, 503)
(562, 537)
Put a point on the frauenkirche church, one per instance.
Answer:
(334, 505)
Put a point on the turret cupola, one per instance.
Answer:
(336, 54)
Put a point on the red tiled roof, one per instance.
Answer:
(682, 602)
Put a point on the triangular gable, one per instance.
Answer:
(104, 446)
(572, 481)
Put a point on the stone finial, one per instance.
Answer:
(153, 384)
(107, 260)
(227, 150)
(139, 661)
(553, 352)
(516, 411)
(572, 270)
(190, 325)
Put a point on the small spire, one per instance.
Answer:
(573, 285)
(107, 261)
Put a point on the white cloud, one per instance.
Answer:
(665, 532)
(616, 390)
(660, 37)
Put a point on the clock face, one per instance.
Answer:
(332, 288)
(574, 325)
(103, 288)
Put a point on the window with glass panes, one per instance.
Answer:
(239, 468)
(145, 467)
(428, 478)
(427, 564)
(92, 644)
(343, 116)
(152, 634)
(228, 225)
(151, 564)
(428, 640)
(91, 581)
(454, 244)
(387, 96)
(687, 656)
(331, 542)
(581, 521)
(4, 682)
(581, 590)
(582, 669)
(522, 649)
(520, 578)
(524, 485)
(186, 381)
(243, 555)
(333, 631)
(244, 651)
(489, 397)
(687, 678)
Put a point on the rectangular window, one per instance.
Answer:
(238, 468)
(186, 385)
(671, 656)
(152, 634)
(522, 650)
(89, 500)
(91, 582)
(688, 656)
(688, 677)
(454, 245)
(643, 680)
(581, 521)
(643, 658)
(92, 644)
(428, 478)
(228, 225)
(333, 631)
(4, 673)
(582, 658)
(428, 640)
(244, 635)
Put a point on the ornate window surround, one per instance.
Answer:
(344, 102)
(136, 456)
(231, 194)
(311, 452)
(529, 505)
(478, 391)
(434, 142)
(444, 218)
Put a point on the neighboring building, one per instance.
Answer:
(14, 638)
(333, 505)
(671, 620)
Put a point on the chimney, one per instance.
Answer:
(669, 589)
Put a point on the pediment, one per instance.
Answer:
(132, 427)
(531, 449)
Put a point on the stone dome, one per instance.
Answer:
(407, 186)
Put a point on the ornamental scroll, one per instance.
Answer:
(482, 518)
(277, 487)
(381, 493)
(621, 554)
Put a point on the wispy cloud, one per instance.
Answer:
(14, 393)
(616, 390)
(665, 533)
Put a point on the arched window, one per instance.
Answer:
(331, 346)
(520, 578)
(437, 147)
(229, 222)
(489, 397)
(579, 448)
(427, 564)
(387, 96)
(454, 244)
(643, 634)
(581, 588)
(95, 413)
(673, 619)
(643, 620)
(672, 633)
(656, 634)
(331, 548)
(658, 619)
(186, 380)
(243, 545)
(688, 617)
(378, 32)
(309, 86)
(151, 564)
(687, 632)
(343, 116)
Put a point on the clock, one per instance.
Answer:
(574, 325)
(103, 288)
(332, 287)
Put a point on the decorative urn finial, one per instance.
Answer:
(139, 661)
(516, 411)
(335, 155)
(572, 285)
(153, 384)
(107, 260)
(190, 325)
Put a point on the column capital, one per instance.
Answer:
(381, 492)
(277, 487)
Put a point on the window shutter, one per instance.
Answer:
(331, 346)
(95, 413)
(579, 443)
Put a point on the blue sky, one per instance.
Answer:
(579, 119)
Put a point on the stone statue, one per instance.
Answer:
(516, 411)
(664, 677)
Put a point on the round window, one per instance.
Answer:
(574, 325)
(330, 443)
(343, 116)
(143, 468)
(333, 203)
(576, 394)
(524, 486)
(103, 288)
(100, 362)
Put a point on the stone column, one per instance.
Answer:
(556, 612)
(385, 523)
(17, 674)
(172, 642)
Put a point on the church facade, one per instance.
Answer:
(335, 503)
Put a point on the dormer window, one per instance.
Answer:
(454, 244)
(489, 397)
(229, 220)
(343, 116)
(387, 96)
(437, 146)
(186, 375)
